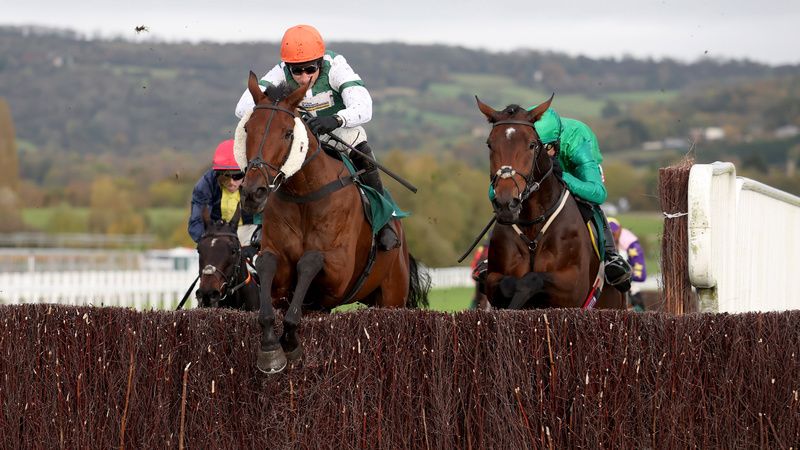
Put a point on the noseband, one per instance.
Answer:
(210, 269)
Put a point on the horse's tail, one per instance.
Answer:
(419, 284)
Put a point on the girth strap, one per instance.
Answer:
(320, 193)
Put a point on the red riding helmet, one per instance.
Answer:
(302, 43)
(223, 157)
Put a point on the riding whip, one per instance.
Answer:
(185, 296)
(398, 178)
(477, 239)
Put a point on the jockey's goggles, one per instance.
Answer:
(308, 70)
(233, 175)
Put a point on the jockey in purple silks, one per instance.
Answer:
(628, 245)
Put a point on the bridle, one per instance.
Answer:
(531, 185)
(226, 290)
(258, 163)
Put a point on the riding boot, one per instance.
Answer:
(618, 271)
(387, 238)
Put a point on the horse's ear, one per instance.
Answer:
(487, 110)
(536, 113)
(234, 223)
(206, 214)
(295, 97)
(254, 88)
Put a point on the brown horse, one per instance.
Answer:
(225, 281)
(540, 253)
(316, 238)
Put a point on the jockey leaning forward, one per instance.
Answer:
(336, 99)
(218, 190)
(576, 150)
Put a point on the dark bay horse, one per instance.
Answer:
(316, 241)
(540, 254)
(225, 281)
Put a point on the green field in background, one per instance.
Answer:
(648, 227)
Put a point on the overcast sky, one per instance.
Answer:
(765, 31)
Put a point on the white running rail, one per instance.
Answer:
(744, 247)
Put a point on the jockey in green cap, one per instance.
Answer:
(575, 146)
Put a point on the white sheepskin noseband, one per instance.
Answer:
(240, 140)
(297, 154)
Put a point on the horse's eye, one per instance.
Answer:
(533, 145)
(289, 134)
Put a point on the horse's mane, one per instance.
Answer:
(512, 109)
(279, 92)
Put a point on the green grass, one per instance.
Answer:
(38, 218)
(643, 96)
(41, 218)
(648, 227)
(447, 300)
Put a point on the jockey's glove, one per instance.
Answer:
(322, 125)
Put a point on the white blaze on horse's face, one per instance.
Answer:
(510, 132)
(213, 241)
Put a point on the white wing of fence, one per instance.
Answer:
(142, 289)
(744, 248)
(136, 289)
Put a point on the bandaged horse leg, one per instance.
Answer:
(308, 267)
(618, 271)
(271, 358)
(387, 238)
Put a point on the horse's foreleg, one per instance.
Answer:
(498, 298)
(308, 267)
(271, 358)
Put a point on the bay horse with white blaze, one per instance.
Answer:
(316, 242)
(541, 252)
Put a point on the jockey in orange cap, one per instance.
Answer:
(336, 99)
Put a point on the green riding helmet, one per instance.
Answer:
(548, 127)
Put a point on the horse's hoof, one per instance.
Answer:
(295, 354)
(271, 361)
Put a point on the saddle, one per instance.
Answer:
(379, 208)
(590, 214)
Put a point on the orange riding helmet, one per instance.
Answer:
(302, 43)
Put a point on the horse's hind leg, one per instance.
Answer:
(394, 289)
(308, 267)
(271, 358)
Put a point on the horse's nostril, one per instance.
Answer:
(514, 203)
